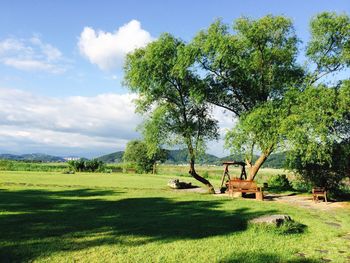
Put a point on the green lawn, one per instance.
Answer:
(51, 217)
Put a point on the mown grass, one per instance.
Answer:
(52, 217)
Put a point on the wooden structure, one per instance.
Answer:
(226, 174)
(319, 192)
(245, 186)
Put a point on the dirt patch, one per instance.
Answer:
(303, 201)
(194, 190)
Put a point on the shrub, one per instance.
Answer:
(86, 165)
(300, 185)
(279, 182)
(6, 165)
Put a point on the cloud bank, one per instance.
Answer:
(32, 55)
(107, 50)
(77, 125)
(31, 123)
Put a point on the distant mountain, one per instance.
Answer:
(181, 156)
(116, 157)
(275, 160)
(36, 157)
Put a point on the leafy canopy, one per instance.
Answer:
(161, 76)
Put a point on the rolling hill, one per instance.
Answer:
(181, 156)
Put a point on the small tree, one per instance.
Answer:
(136, 153)
(160, 74)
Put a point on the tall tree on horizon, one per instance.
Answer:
(160, 74)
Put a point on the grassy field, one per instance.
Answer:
(52, 217)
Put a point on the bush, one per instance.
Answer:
(279, 182)
(86, 165)
(6, 165)
(328, 173)
(300, 185)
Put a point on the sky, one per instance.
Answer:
(61, 74)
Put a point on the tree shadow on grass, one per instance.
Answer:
(38, 222)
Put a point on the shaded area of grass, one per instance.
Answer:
(38, 222)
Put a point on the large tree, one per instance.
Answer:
(247, 72)
(160, 74)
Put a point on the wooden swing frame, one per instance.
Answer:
(226, 173)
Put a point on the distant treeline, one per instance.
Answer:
(76, 166)
(9, 165)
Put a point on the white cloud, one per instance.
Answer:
(34, 123)
(226, 121)
(32, 55)
(32, 65)
(107, 50)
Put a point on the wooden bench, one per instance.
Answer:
(319, 192)
(245, 186)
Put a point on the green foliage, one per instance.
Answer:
(161, 75)
(247, 72)
(301, 185)
(258, 130)
(136, 155)
(329, 47)
(251, 65)
(9, 165)
(279, 182)
(6, 165)
(319, 140)
(82, 165)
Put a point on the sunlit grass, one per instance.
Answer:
(52, 217)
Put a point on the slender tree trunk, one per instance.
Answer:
(253, 169)
(154, 171)
(200, 178)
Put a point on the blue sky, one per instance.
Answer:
(60, 64)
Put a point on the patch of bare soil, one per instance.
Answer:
(193, 189)
(300, 201)
(304, 201)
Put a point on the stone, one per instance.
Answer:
(276, 220)
(176, 184)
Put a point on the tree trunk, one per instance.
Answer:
(253, 169)
(154, 171)
(200, 178)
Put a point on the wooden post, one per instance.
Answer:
(225, 174)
